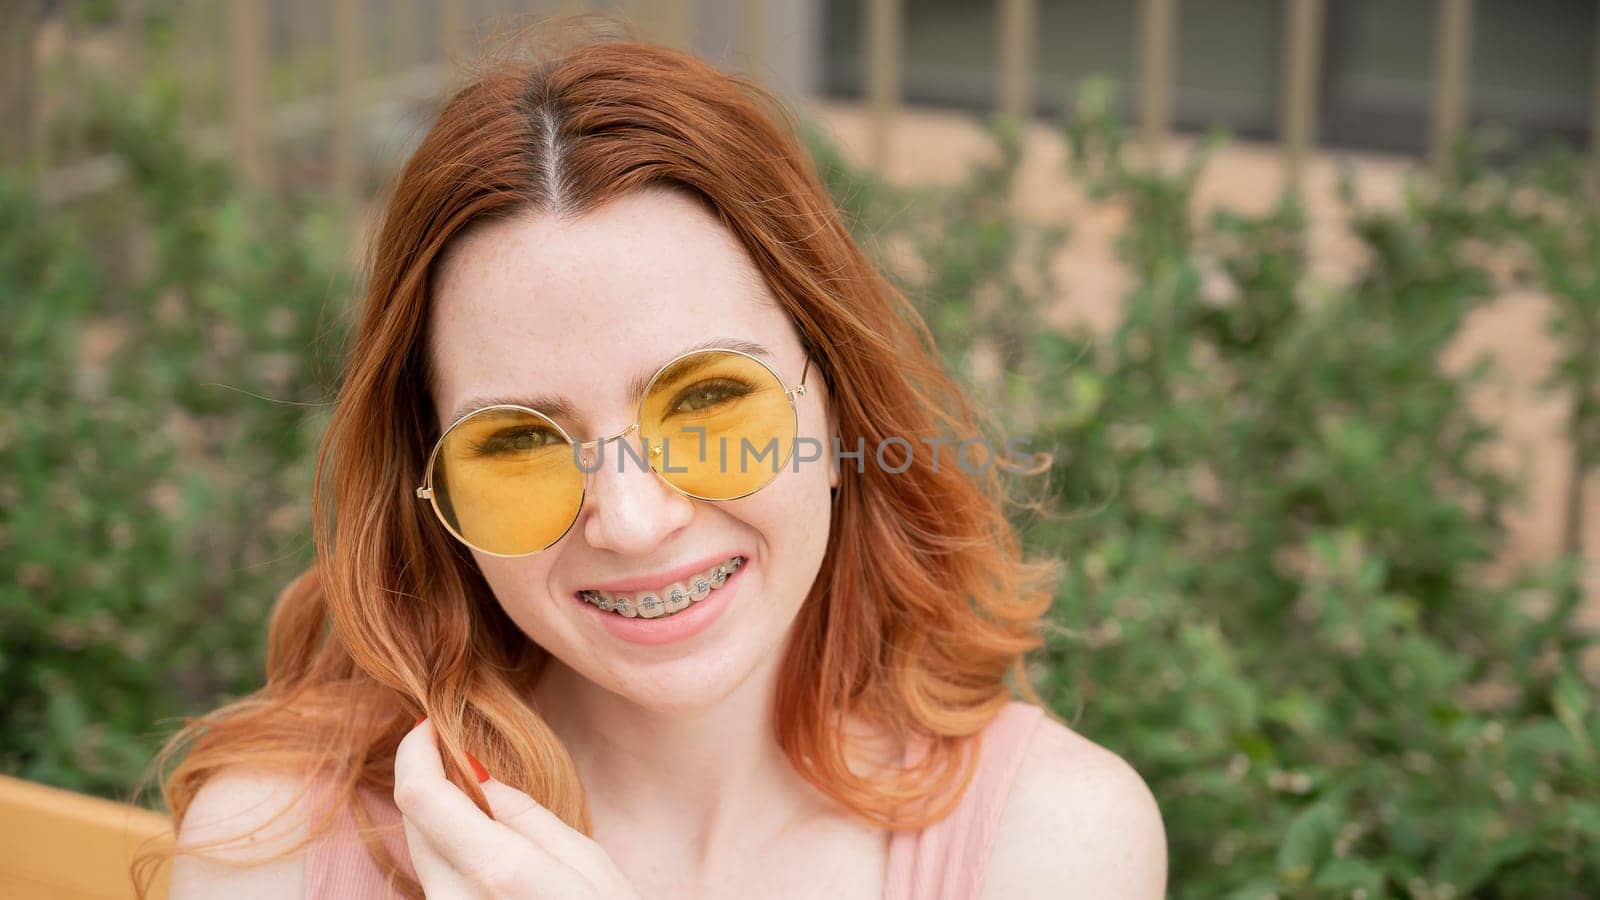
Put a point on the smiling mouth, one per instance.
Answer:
(666, 601)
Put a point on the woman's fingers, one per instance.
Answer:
(589, 866)
(440, 880)
(486, 852)
(535, 822)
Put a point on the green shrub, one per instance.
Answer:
(164, 366)
(1276, 517)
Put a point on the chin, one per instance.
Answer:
(697, 682)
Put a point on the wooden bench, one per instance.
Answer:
(61, 845)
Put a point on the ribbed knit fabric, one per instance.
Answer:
(944, 861)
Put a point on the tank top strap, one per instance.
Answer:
(339, 864)
(946, 859)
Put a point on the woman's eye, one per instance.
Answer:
(516, 440)
(707, 394)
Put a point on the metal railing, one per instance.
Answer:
(252, 125)
(232, 41)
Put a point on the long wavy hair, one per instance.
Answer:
(923, 606)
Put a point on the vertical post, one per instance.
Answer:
(753, 43)
(405, 38)
(130, 23)
(306, 21)
(1302, 60)
(673, 23)
(452, 30)
(18, 31)
(347, 60)
(1158, 20)
(669, 22)
(308, 26)
(1594, 111)
(1018, 25)
(248, 62)
(196, 54)
(882, 65)
(67, 145)
(1452, 48)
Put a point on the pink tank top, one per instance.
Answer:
(944, 860)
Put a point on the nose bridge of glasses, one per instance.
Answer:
(586, 446)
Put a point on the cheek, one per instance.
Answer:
(792, 517)
(521, 592)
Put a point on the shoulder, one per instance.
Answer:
(242, 807)
(1079, 815)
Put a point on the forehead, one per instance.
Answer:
(579, 307)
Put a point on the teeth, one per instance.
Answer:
(654, 604)
(699, 588)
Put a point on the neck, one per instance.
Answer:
(699, 783)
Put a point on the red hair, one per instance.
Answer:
(923, 604)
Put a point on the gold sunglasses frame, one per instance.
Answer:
(425, 490)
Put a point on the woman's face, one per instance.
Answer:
(580, 309)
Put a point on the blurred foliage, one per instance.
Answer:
(164, 362)
(1272, 502)
(1276, 516)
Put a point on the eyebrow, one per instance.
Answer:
(559, 407)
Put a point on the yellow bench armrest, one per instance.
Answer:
(61, 845)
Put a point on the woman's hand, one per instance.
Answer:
(524, 852)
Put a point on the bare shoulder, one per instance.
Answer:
(242, 808)
(1078, 818)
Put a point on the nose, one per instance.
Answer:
(631, 511)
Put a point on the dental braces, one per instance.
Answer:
(718, 578)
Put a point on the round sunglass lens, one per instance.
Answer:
(504, 481)
(719, 424)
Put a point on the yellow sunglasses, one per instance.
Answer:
(508, 481)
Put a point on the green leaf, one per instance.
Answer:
(1307, 842)
(1349, 874)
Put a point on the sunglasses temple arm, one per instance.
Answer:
(800, 389)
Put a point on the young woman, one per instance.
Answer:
(678, 668)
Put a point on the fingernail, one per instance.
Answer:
(478, 769)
